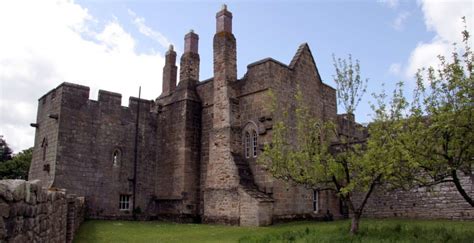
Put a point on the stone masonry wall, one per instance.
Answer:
(46, 137)
(442, 201)
(90, 133)
(30, 213)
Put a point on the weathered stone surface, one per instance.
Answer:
(12, 189)
(182, 156)
(44, 221)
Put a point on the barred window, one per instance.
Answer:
(247, 145)
(124, 203)
(254, 143)
(315, 200)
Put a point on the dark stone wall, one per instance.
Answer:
(205, 92)
(89, 134)
(46, 137)
(32, 213)
(178, 172)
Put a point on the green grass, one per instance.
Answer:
(393, 230)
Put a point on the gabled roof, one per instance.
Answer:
(299, 53)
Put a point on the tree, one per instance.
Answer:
(5, 151)
(18, 166)
(326, 157)
(350, 87)
(436, 135)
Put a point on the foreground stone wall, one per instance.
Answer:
(30, 213)
(442, 201)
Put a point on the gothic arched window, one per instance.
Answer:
(44, 146)
(247, 145)
(254, 143)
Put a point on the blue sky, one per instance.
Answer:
(118, 45)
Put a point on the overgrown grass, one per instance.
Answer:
(371, 231)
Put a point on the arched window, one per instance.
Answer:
(254, 143)
(247, 145)
(44, 145)
(116, 157)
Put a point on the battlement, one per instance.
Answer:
(76, 94)
(110, 98)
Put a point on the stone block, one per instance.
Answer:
(4, 210)
(12, 189)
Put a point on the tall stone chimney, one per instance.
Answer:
(190, 58)
(221, 196)
(169, 72)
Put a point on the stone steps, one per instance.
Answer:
(247, 181)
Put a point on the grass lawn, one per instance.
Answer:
(394, 230)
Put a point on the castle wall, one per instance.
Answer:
(205, 92)
(90, 132)
(290, 201)
(178, 173)
(46, 135)
(255, 106)
(441, 201)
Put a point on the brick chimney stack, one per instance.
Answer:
(221, 193)
(224, 20)
(190, 58)
(169, 72)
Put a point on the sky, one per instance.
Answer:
(119, 45)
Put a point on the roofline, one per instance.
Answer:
(268, 59)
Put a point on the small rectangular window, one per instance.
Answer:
(315, 200)
(124, 203)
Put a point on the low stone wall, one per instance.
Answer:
(442, 201)
(30, 213)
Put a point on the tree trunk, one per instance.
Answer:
(355, 223)
(460, 189)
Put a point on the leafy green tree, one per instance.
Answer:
(436, 134)
(350, 86)
(5, 151)
(18, 166)
(325, 156)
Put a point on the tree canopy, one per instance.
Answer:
(435, 131)
(5, 151)
(18, 166)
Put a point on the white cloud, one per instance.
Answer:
(395, 68)
(390, 3)
(147, 31)
(53, 41)
(444, 18)
(400, 20)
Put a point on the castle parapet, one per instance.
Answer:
(110, 98)
(144, 104)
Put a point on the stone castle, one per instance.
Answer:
(189, 155)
